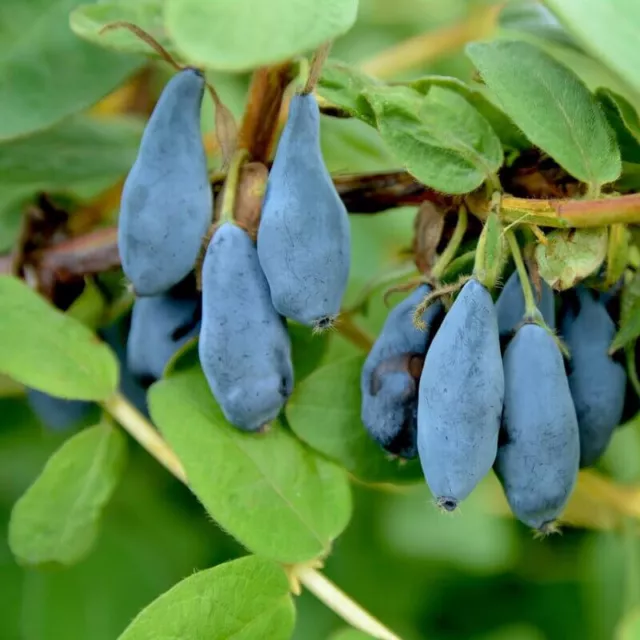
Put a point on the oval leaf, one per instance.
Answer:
(440, 138)
(57, 519)
(243, 599)
(44, 349)
(46, 71)
(508, 133)
(237, 35)
(324, 411)
(552, 106)
(570, 255)
(268, 490)
(88, 19)
(608, 28)
(80, 149)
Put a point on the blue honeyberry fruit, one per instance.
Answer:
(59, 414)
(167, 202)
(510, 306)
(539, 453)
(596, 380)
(244, 348)
(160, 326)
(304, 236)
(389, 379)
(460, 398)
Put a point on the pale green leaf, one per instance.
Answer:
(350, 634)
(552, 107)
(324, 411)
(343, 85)
(57, 519)
(243, 599)
(88, 19)
(610, 29)
(272, 493)
(237, 35)
(629, 626)
(46, 71)
(570, 255)
(44, 349)
(308, 347)
(440, 138)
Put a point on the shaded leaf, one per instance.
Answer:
(532, 17)
(78, 150)
(324, 411)
(343, 85)
(268, 490)
(624, 120)
(440, 138)
(208, 33)
(243, 599)
(88, 19)
(57, 519)
(629, 315)
(46, 72)
(571, 255)
(308, 348)
(610, 30)
(507, 131)
(49, 351)
(552, 106)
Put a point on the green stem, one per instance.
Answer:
(231, 185)
(452, 247)
(143, 431)
(531, 310)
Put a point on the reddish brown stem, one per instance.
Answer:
(260, 122)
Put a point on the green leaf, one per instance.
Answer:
(343, 85)
(78, 150)
(243, 599)
(57, 519)
(44, 349)
(308, 348)
(324, 411)
(629, 626)
(552, 107)
(610, 29)
(46, 72)
(629, 315)
(268, 490)
(440, 138)
(507, 131)
(532, 17)
(237, 35)
(88, 19)
(350, 634)
(624, 120)
(570, 255)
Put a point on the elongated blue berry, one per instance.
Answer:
(460, 398)
(390, 376)
(304, 237)
(244, 346)
(166, 204)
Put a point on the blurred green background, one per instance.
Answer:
(473, 575)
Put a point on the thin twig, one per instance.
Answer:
(143, 431)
